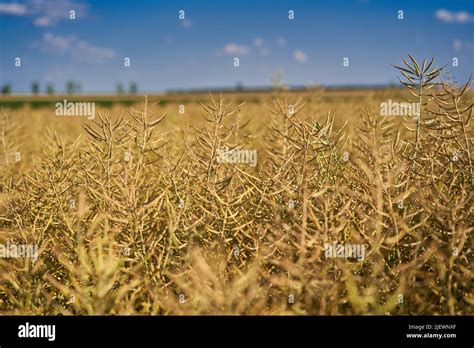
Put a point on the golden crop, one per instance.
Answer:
(135, 213)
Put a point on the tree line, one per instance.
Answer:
(72, 87)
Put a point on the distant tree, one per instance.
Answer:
(35, 87)
(70, 87)
(49, 88)
(73, 87)
(133, 88)
(239, 86)
(6, 88)
(119, 88)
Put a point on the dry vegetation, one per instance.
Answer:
(133, 214)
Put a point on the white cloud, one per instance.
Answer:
(50, 12)
(56, 42)
(300, 56)
(281, 41)
(77, 49)
(13, 9)
(45, 13)
(450, 17)
(93, 54)
(233, 48)
(258, 42)
(264, 51)
(55, 74)
(43, 22)
(186, 23)
(459, 45)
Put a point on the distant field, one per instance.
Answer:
(17, 101)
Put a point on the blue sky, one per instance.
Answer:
(198, 52)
